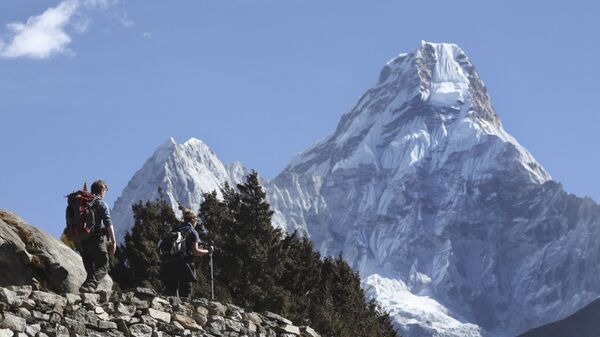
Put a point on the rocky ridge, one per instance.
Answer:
(33, 313)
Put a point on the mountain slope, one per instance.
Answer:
(425, 193)
(583, 323)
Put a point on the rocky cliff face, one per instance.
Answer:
(31, 257)
(140, 313)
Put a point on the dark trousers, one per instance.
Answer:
(184, 288)
(95, 259)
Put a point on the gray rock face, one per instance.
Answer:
(28, 256)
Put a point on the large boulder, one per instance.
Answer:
(29, 256)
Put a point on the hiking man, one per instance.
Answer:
(179, 273)
(94, 250)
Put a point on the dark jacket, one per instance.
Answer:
(184, 270)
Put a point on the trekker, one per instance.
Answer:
(178, 273)
(94, 250)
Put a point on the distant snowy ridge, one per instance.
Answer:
(183, 172)
(452, 224)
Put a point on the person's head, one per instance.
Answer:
(99, 188)
(189, 216)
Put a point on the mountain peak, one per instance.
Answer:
(191, 164)
(427, 106)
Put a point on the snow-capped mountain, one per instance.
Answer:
(182, 171)
(452, 224)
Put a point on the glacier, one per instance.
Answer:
(454, 227)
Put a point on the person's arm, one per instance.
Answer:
(199, 252)
(112, 246)
(110, 232)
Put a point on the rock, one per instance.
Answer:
(15, 323)
(140, 304)
(90, 299)
(140, 330)
(107, 325)
(48, 301)
(123, 309)
(217, 309)
(277, 318)
(177, 326)
(37, 259)
(161, 304)
(73, 298)
(289, 329)
(6, 333)
(28, 304)
(55, 318)
(22, 291)
(253, 317)
(149, 321)
(231, 325)
(40, 316)
(75, 326)
(26, 314)
(250, 326)
(215, 327)
(201, 310)
(200, 318)
(187, 322)
(145, 293)
(10, 297)
(33, 329)
(234, 315)
(61, 331)
(159, 315)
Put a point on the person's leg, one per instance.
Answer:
(88, 263)
(170, 288)
(185, 290)
(100, 260)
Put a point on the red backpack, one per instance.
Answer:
(80, 216)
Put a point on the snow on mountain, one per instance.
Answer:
(452, 224)
(182, 171)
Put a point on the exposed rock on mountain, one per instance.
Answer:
(31, 257)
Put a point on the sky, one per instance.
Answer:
(90, 88)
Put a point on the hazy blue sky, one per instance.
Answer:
(89, 88)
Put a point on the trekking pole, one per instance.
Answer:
(212, 279)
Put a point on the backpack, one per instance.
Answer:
(80, 217)
(173, 246)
